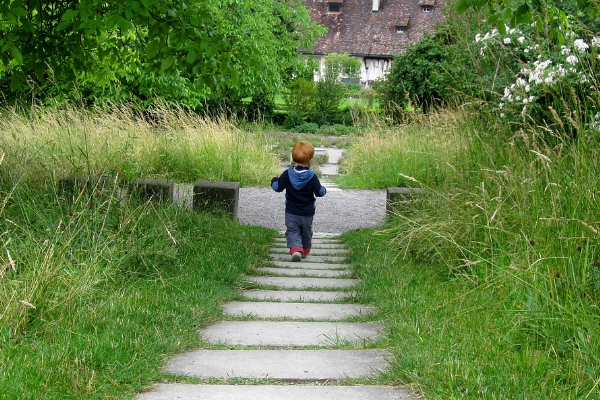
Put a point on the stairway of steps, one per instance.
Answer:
(298, 335)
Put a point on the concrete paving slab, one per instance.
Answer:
(311, 258)
(303, 283)
(314, 241)
(314, 311)
(321, 273)
(310, 265)
(273, 392)
(279, 364)
(314, 252)
(286, 334)
(294, 295)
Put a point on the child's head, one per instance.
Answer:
(303, 153)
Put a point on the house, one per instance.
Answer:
(372, 30)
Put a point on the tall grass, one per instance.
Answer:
(385, 156)
(98, 289)
(510, 245)
(120, 139)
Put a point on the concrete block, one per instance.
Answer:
(400, 197)
(153, 189)
(74, 185)
(217, 196)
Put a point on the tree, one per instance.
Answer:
(331, 89)
(231, 48)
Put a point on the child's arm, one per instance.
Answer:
(279, 183)
(319, 190)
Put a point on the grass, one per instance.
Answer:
(162, 142)
(426, 150)
(97, 290)
(95, 301)
(490, 281)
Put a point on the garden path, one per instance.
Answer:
(298, 334)
(294, 336)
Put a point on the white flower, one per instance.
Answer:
(525, 100)
(506, 92)
(506, 40)
(596, 41)
(502, 115)
(527, 88)
(521, 39)
(584, 79)
(524, 110)
(518, 98)
(521, 82)
(478, 37)
(580, 45)
(531, 99)
(526, 50)
(572, 59)
(564, 50)
(501, 105)
(549, 79)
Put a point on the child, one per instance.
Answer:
(301, 185)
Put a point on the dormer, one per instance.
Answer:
(427, 6)
(334, 7)
(401, 25)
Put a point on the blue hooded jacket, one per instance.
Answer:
(301, 186)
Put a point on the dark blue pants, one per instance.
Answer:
(299, 231)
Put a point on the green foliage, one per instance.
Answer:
(126, 50)
(418, 77)
(339, 66)
(551, 17)
(327, 100)
(307, 127)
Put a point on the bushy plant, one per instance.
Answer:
(307, 127)
(417, 77)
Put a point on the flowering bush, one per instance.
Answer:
(554, 86)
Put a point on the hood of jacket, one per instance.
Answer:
(299, 179)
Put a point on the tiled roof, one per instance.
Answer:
(357, 30)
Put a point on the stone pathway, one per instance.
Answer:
(295, 337)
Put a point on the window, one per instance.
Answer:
(335, 7)
(400, 29)
(426, 9)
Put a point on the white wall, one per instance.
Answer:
(371, 69)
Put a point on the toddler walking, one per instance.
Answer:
(301, 185)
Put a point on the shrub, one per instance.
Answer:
(307, 127)
(294, 119)
(417, 76)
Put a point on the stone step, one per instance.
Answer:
(314, 311)
(310, 265)
(294, 295)
(273, 392)
(288, 334)
(314, 240)
(311, 258)
(315, 246)
(279, 364)
(303, 283)
(320, 273)
(315, 252)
